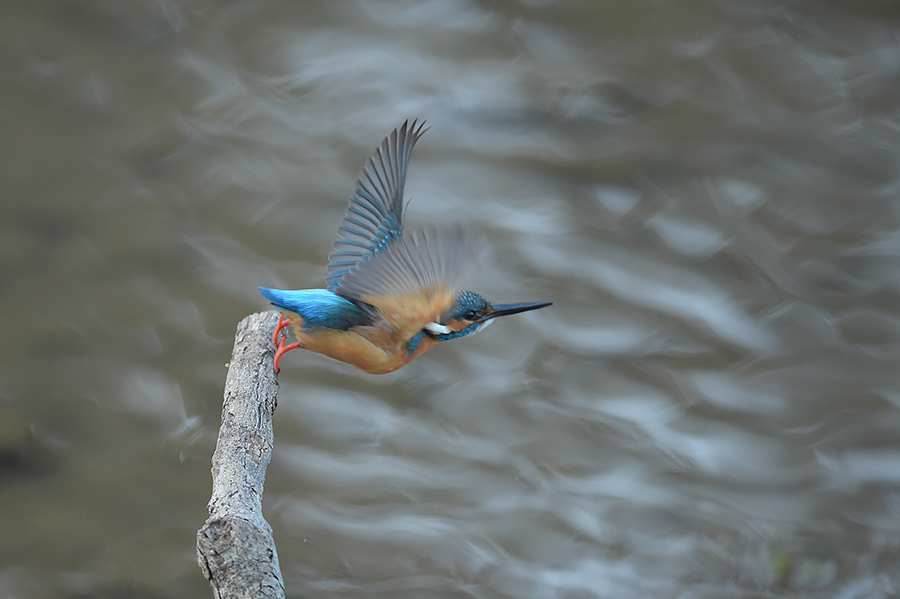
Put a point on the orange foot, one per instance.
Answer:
(278, 340)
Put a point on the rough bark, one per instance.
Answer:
(235, 548)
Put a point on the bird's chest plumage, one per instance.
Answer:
(373, 349)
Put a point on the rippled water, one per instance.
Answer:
(706, 191)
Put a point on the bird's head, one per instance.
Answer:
(471, 313)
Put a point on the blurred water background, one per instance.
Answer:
(707, 191)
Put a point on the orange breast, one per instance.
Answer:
(372, 349)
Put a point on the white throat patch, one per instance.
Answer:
(437, 328)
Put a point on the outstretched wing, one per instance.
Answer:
(414, 279)
(375, 214)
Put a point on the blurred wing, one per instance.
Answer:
(413, 280)
(375, 214)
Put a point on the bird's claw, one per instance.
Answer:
(278, 341)
(278, 327)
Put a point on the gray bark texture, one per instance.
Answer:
(235, 548)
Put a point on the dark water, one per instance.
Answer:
(707, 191)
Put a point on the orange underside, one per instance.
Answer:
(368, 348)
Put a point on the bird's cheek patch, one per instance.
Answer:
(437, 328)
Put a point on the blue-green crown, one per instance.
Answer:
(467, 305)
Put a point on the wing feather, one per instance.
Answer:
(414, 279)
(375, 215)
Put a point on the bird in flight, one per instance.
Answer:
(389, 296)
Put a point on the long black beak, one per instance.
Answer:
(507, 309)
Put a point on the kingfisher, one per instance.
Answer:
(389, 297)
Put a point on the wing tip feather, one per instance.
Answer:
(379, 196)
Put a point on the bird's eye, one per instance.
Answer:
(470, 315)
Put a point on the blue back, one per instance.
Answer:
(319, 308)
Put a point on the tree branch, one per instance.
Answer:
(235, 548)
